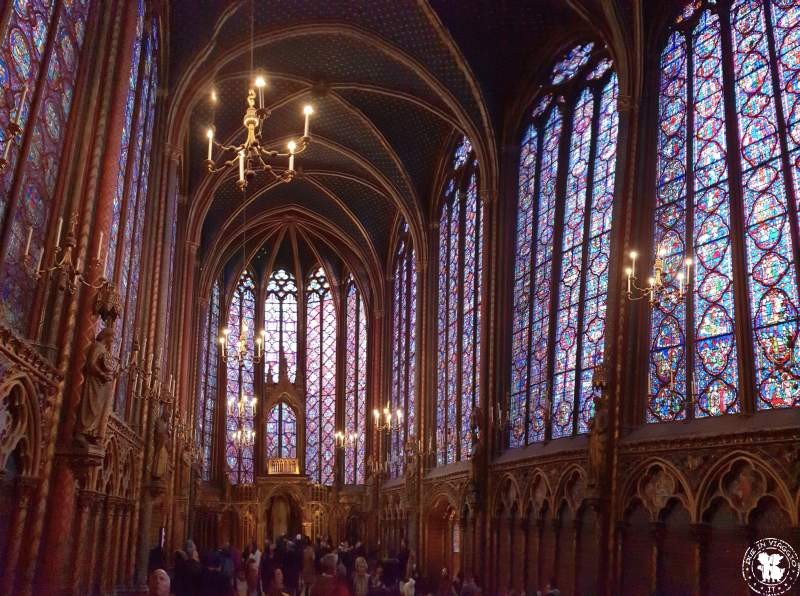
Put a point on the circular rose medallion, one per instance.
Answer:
(770, 566)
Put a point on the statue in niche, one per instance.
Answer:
(161, 445)
(598, 429)
(97, 394)
(478, 452)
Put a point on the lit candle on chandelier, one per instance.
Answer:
(377, 416)
(105, 265)
(260, 84)
(292, 146)
(688, 267)
(28, 241)
(633, 263)
(58, 232)
(210, 135)
(629, 273)
(18, 116)
(307, 110)
(99, 247)
(680, 283)
(241, 165)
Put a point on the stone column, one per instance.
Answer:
(107, 544)
(700, 534)
(518, 548)
(85, 500)
(657, 533)
(25, 489)
(96, 520)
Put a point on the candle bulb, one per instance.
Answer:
(210, 135)
(633, 263)
(18, 117)
(260, 84)
(241, 165)
(7, 149)
(629, 272)
(39, 262)
(99, 247)
(292, 146)
(307, 110)
(28, 241)
(105, 265)
(688, 266)
(680, 284)
(58, 231)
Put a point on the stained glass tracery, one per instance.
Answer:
(572, 247)
(320, 378)
(21, 61)
(694, 358)
(403, 382)
(240, 377)
(281, 432)
(207, 383)
(459, 308)
(355, 405)
(280, 325)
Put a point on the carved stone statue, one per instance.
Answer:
(97, 395)
(161, 445)
(598, 430)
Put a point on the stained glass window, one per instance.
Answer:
(355, 404)
(240, 376)
(562, 235)
(280, 325)
(402, 389)
(134, 200)
(281, 432)
(710, 185)
(459, 325)
(207, 382)
(320, 379)
(21, 61)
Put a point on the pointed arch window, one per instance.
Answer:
(25, 66)
(207, 383)
(355, 406)
(281, 432)
(240, 375)
(280, 325)
(404, 319)
(320, 378)
(727, 191)
(459, 294)
(565, 195)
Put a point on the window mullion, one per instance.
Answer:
(742, 312)
(587, 219)
(558, 238)
(689, 248)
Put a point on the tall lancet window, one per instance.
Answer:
(355, 406)
(131, 197)
(281, 432)
(562, 247)
(280, 325)
(28, 193)
(320, 379)
(240, 391)
(728, 184)
(207, 382)
(459, 308)
(404, 319)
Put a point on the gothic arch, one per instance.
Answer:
(654, 483)
(741, 480)
(570, 489)
(21, 417)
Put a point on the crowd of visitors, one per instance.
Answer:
(298, 567)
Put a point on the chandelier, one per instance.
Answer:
(656, 291)
(346, 440)
(241, 408)
(387, 420)
(238, 351)
(251, 155)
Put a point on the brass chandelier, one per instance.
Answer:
(252, 155)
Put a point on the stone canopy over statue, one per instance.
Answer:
(97, 395)
(161, 445)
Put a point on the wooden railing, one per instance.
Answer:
(283, 465)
